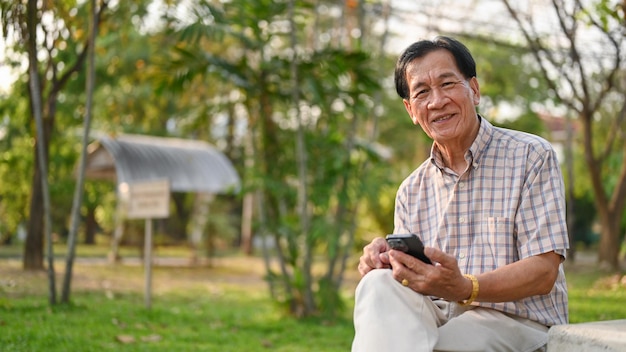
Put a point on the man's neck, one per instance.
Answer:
(454, 158)
(453, 152)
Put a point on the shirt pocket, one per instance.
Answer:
(497, 242)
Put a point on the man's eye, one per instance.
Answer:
(421, 94)
(448, 84)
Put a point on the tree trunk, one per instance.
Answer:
(302, 159)
(80, 182)
(33, 247)
(199, 219)
(608, 252)
(43, 128)
(178, 228)
(246, 223)
(91, 226)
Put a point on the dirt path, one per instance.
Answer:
(169, 274)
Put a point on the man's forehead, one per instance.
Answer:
(431, 76)
(433, 65)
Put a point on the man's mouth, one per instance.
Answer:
(443, 118)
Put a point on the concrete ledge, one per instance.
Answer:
(603, 336)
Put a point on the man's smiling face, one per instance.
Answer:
(441, 100)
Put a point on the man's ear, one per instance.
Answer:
(407, 106)
(475, 87)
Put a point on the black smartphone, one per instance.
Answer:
(408, 243)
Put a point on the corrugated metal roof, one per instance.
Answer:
(189, 165)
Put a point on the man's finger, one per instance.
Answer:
(406, 260)
(437, 256)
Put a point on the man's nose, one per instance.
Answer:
(438, 98)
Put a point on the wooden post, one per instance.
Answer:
(147, 260)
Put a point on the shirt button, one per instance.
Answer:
(461, 255)
(462, 185)
(462, 219)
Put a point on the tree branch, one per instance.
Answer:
(57, 85)
(618, 201)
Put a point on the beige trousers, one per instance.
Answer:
(391, 317)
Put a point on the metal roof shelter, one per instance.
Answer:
(189, 165)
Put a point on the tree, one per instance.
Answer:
(79, 190)
(307, 108)
(37, 111)
(60, 36)
(590, 83)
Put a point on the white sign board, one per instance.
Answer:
(146, 199)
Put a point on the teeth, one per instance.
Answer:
(442, 118)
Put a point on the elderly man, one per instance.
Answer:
(489, 207)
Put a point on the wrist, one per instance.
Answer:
(474, 292)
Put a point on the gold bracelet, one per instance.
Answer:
(474, 294)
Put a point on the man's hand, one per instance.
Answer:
(443, 279)
(374, 256)
(524, 278)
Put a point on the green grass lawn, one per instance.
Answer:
(182, 321)
(596, 295)
(223, 307)
(220, 307)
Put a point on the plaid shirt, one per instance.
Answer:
(509, 204)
